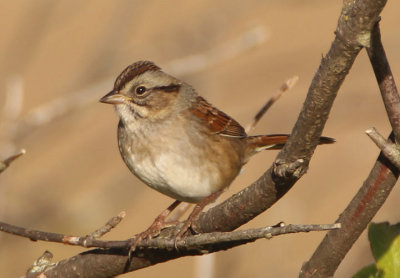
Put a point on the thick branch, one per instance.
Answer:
(355, 23)
(371, 195)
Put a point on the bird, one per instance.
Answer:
(177, 143)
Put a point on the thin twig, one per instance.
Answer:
(202, 242)
(6, 163)
(112, 262)
(289, 84)
(112, 223)
(388, 148)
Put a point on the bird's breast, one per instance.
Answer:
(184, 168)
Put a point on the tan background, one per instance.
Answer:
(72, 179)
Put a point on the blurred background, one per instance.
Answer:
(59, 57)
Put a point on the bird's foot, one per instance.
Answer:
(187, 224)
(194, 215)
(155, 228)
(151, 232)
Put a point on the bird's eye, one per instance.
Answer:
(140, 90)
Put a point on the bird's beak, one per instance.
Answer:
(114, 97)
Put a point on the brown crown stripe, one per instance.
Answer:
(132, 71)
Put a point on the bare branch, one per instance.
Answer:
(112, 223)
(388, 148)
(384, 76)
(354, 220)
(203, 242)
(289, 84)
(6, 163)
(116, 261)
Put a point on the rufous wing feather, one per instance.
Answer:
(217, 121)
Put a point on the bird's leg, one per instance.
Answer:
(195, 213)
(155, 228)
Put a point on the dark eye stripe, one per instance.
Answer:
(169, 89)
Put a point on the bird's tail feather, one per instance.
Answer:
(276, 141)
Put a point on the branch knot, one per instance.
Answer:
(289, 170)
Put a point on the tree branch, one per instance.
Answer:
(145, 253)
(202, 242)
(354, 220)
(374, 191)
(388, 148)
(112, 223)
(384, 77)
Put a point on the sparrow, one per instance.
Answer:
(176, 142)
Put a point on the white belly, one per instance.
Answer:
(183, 167)
(176, 176)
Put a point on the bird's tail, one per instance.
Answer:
(276, 141)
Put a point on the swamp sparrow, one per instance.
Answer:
(175, 141)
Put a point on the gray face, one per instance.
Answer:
(151, 94)
(143, 91)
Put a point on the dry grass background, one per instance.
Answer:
(72, 179)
